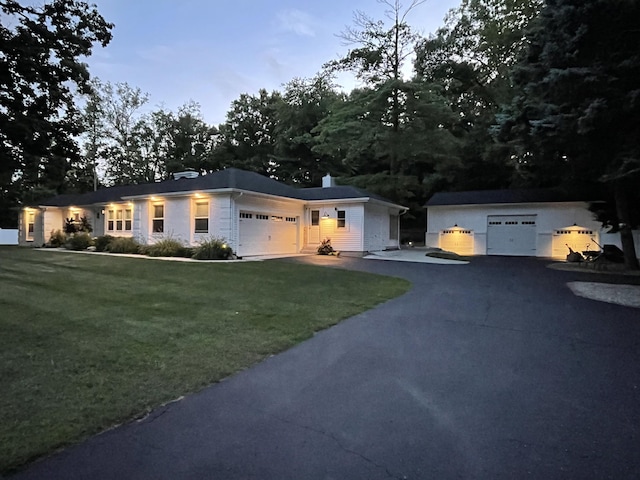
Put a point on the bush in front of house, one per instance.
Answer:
(102, 242)
(123, 245)
(78, 241)
(213, 249)
(325, 248)
(167, 247)
(57, 239)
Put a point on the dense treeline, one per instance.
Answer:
(508, 93)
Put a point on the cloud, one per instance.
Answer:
(296, 21)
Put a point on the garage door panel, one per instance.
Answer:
(457, 240)
(267, 234)
(511, 235)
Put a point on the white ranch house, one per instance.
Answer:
(537, 222)
(255, 214)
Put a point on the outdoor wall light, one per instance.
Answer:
(325, 214)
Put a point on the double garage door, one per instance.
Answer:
(267, 234)
(511, 235)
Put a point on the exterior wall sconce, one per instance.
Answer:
(325, 214)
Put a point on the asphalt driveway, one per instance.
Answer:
(489, 370)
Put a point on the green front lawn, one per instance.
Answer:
(89, 341)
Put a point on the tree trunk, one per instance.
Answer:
(626, 234)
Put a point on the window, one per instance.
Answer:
(342, 218)
(111, 215)
(202, 217)
(119, 218)
(262, 217)
(315, 218)
(246, 215)
(31, 222)
(127, 219)
(393, 227)
(291, 219)
(158, 218)
(276, 218)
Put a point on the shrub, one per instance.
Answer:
(102, 243)
(57, 239)
(167, 247)
(85, 225)
(69, 226)
(123, 245)
(78, 241)
(325, 247)
(213, 249)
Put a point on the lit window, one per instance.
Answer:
(31, 222)
(127, 219)
(119, 219)
(158, 218)
(342, 218)
(111, 215)
(201, 217)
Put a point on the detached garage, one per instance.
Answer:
(538, 222)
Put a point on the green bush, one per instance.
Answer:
(123, 245)
(78, 241)
(102, 243)
(57, 239)
(167, 247)
(213, 249)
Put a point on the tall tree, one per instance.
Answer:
(472, 57)
(124, 130)
(305, 103)
(41, 68)
(189, 140)
(380, 51)
(247, 138)
(577, 120)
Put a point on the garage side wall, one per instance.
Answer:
(549, 217)
(377, 228)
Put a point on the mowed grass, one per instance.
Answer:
(89, 341)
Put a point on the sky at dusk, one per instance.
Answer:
(211, 51)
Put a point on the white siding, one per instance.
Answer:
(376, 228)
(351, 237)
(53, 219)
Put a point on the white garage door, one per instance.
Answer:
(267, 234)
(457, 240)
(576, 237)
(511, 235)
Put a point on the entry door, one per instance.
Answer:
(511, 235)
(314, 227)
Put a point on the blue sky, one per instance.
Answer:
(211, 51)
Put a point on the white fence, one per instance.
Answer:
(8, 237)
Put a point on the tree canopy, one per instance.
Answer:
(41, 72)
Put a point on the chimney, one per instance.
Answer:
(185, 174)
(328, 181)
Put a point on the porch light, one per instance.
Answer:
(325, 214)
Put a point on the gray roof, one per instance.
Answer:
(229, 178)
(486, 197)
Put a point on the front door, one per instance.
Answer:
(314, 227)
